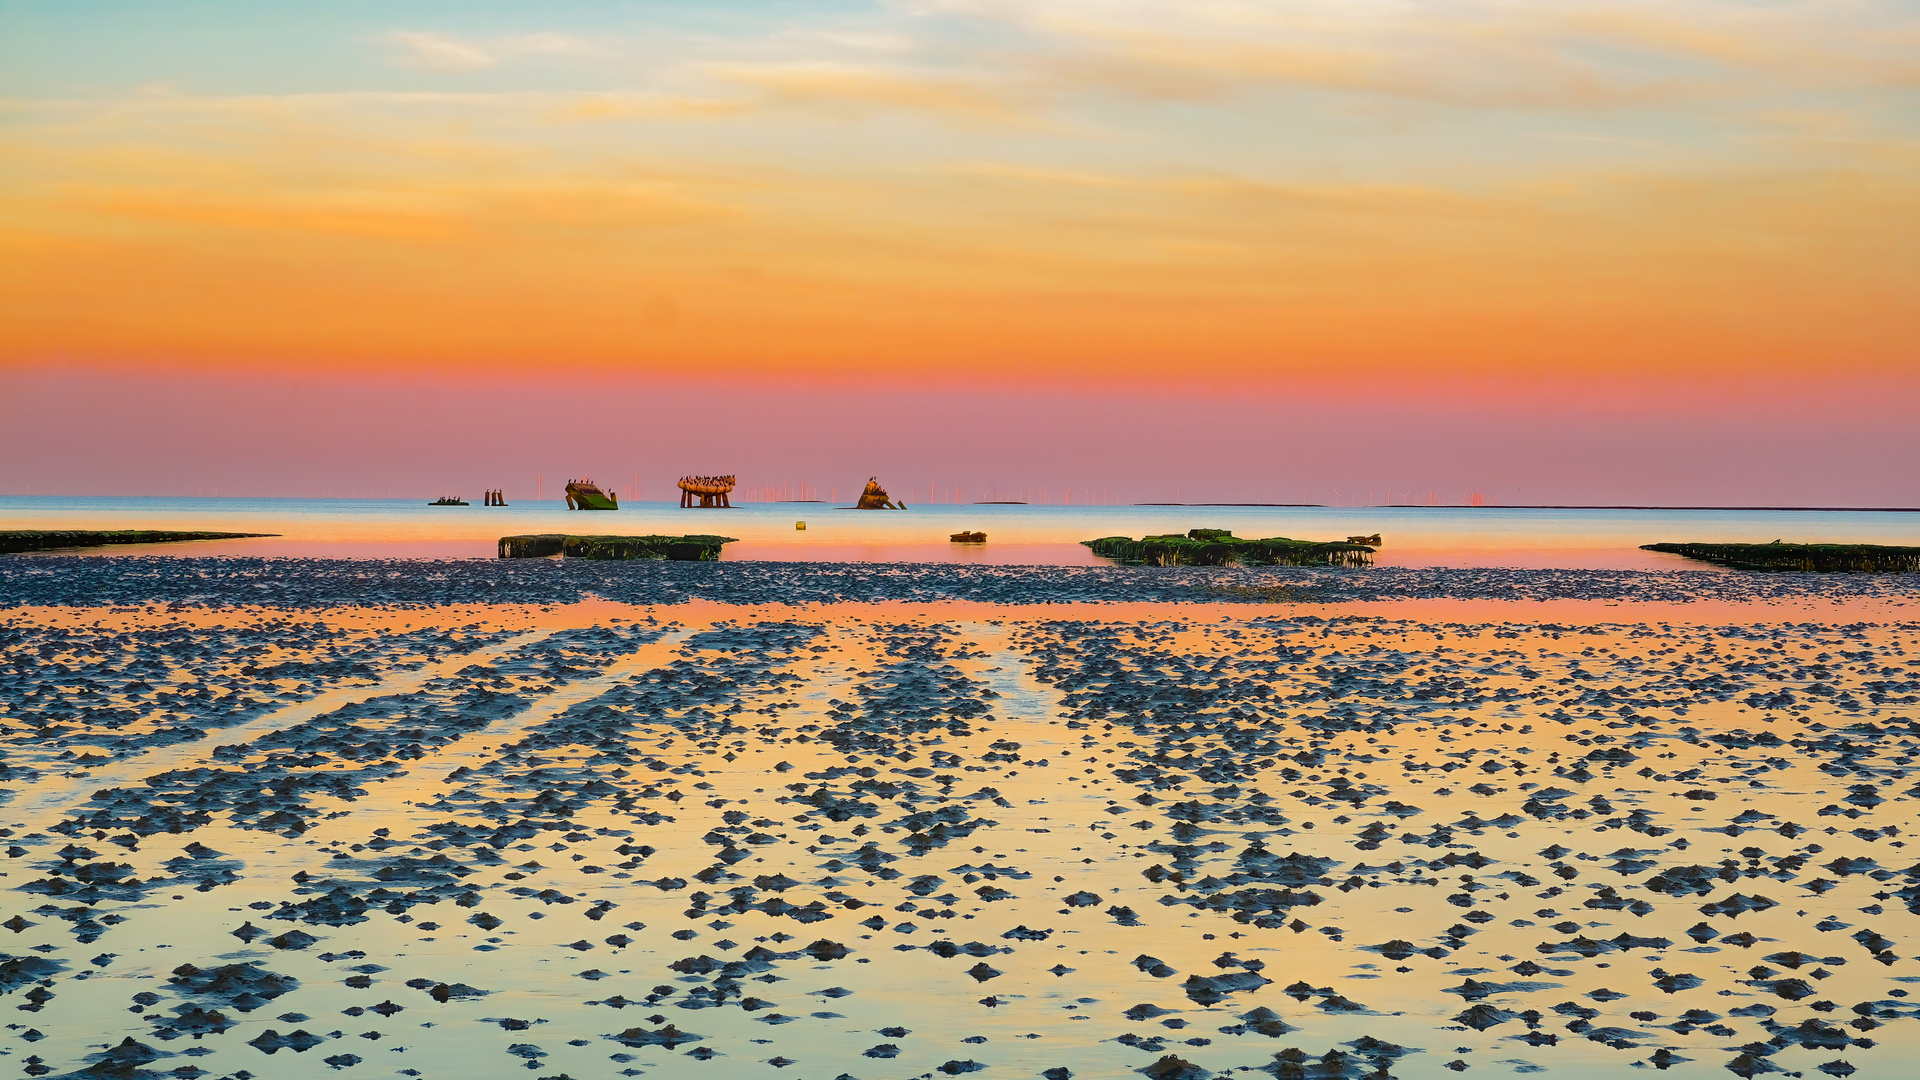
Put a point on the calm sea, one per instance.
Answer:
(1045, 535)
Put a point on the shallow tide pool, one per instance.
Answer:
(928, 839)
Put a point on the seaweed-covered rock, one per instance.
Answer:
(697, 547)
(245, 986)
(1174, 1068)
(18, 971)
(299, 1041)
(15, 540)
(667, 1036)
(1219, 547)
(1857, 558)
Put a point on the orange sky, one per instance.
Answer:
(991, 273)
(1048, 190)
(1492, 227)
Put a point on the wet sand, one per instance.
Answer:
(640, 821)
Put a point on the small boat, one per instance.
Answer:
(969, 538)
(586, 495)
(712, 491)
(447, 500)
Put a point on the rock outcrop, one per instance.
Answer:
(1856, 558)
(875, 497)
(1219, 547)
(694, 548)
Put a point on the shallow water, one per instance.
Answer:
(1021, 535)
(1512, 835)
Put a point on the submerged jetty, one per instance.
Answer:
(1821, 558)
(694, 548)
(18, 540)
(1219, 547)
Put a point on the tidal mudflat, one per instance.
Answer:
(287, 819)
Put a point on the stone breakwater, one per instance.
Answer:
(620, 840)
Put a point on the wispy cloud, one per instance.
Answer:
(1577, 53)
(436, 52)
(1027, 61)
(864, 40)
(443, 52)
(960, 95)
(1226, 190)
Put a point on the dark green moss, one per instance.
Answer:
(532, 545)
(16, 540)
(694, 548)
(1219, 547)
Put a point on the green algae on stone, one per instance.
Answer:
(1219, 547)
(17, 540)
(698, 547)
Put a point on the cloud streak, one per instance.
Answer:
(849, 87)
(1577, 54)
(436, 52)
(1051, 189)
(449, 53)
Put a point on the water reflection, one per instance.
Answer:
(893, 840)
(1046, 535)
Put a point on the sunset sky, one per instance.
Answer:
(1554, 251)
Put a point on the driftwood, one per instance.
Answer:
(1822, 558)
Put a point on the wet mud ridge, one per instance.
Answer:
(106, 581)
(854, 843)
